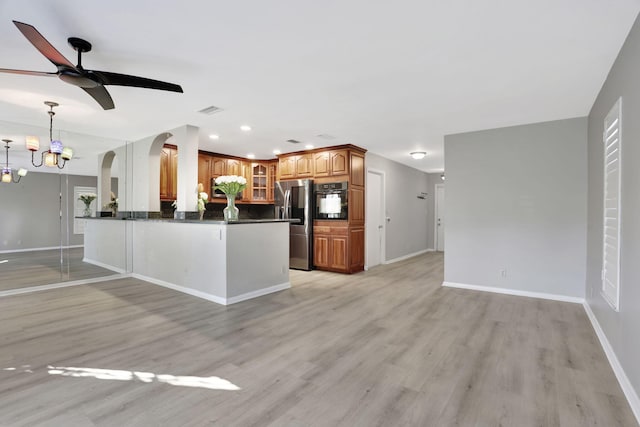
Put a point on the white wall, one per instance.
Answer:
(620, 328)
(516, 201)
(408, 230)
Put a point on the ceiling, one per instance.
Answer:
(392, 77)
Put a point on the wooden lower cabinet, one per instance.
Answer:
(338, 247)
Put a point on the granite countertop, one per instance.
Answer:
(193, 221)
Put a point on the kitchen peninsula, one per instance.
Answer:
(215, 260)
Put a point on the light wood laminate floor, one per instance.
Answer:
(35, 268)
(387, 347)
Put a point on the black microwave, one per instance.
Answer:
(218, 194)
(331, 201)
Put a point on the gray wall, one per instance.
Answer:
(409, 229)
(620, 328)
(30, 211)
(516, 201)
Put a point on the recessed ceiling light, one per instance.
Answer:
(277, 151)
(418, 155)
(308, 146)
(251, 156)
(245, 128)
(214, 136)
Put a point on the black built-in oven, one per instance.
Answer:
(331, 201)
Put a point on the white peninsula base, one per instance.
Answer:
(220, 262)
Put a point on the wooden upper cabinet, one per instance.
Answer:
(204, 171)
(234, 167)
(339, 163)
(218, 166)
(304, 166)
(357, 169)
(287, 167)
(169, 172)
(321, 164)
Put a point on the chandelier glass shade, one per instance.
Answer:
(51, 157)
(9, 175)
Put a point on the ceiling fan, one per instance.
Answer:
(91, 81)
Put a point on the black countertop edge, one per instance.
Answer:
(193, 221)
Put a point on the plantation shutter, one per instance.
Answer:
(611, 225)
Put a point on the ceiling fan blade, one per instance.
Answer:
(45, 48)
(116, 79)
(100, 94)
(28, 73)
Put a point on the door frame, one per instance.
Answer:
(435, 215)
(367, 218)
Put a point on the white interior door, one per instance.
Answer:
(439, 217)
(375, 218)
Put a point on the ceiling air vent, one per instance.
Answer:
(294, 141)
(210, 110)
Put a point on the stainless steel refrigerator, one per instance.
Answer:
(294, 200)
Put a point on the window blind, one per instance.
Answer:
(611, 221)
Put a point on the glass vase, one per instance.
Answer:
(231, 211)
(87, 211)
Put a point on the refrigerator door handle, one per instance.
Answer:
(287, 204)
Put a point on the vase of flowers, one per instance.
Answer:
(87, 198)
(202, 201)
(231, 185)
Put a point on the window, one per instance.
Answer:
(611, 219)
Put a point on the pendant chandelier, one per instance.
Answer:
(56, 151)
(9, 175)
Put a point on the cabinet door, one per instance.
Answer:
(204, 171)
(174, 174)
(321, 251)
(339, 253)
(357, 170)
(218, 166)
(258, 182)
(234, 167)
(287, 167)
(165, 174)
(321, 164)
(271, 180)
(356, 247)
(356, 206)
(304, 166)
(339, 162)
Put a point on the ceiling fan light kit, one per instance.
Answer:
(51, 157)
(91, 81)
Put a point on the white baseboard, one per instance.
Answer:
(10, 251)
(259, 293)
(183, 289)
(625, 384)
(411, 255)
(103, 265)
(60, 285)
(541, 295)
(211, 297)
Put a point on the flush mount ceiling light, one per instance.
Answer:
(308, 146)
(56, 150)
(251, 156)
(8, 175)
(276, 151)
(245, 128)
(214, 136)
(418, 155)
